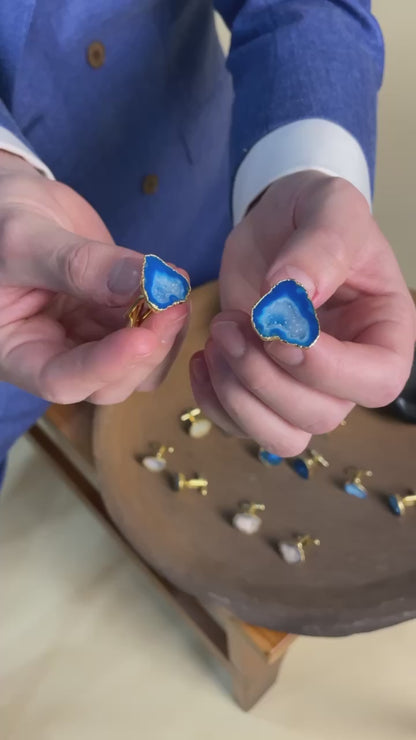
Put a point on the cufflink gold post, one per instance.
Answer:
(195, 484)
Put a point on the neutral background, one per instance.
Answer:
(90, 651)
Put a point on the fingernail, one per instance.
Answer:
(284, 354)
(290, 272)
(124, 276)
(199, 369)
(229, 337)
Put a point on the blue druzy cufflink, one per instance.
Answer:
(286, 313)
(354, 485)
(399, 504)
(268, 458)
(161, 287)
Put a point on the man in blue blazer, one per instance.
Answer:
(121, 125)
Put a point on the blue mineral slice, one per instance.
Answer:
(163, 286)
(269, 458)
(394, 505)
(286, 313)
(353, 490)
(300, 467)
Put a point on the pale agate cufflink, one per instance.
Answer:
(286, 313)
(293, 551)
(161, 287)
(197, 424)
(246, 520)
(157, 463)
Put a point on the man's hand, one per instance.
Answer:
(319, 231)
(64, 291)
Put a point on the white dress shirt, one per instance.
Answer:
(310, 144)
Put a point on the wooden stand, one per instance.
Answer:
(252, 655)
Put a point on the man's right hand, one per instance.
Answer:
(64, 291)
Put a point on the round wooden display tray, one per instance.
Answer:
(362, 577)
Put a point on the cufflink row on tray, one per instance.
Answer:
(246, 519)
(305, 465)
(197, 426)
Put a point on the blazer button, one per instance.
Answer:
(150, 184)
(96, 54)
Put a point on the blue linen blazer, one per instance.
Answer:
(165, 102)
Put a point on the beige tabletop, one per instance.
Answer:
(90, 650)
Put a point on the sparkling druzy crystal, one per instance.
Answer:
(286, 313)
(269, 458)
(163, 286)
(355, 490)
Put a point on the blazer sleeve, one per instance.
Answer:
(303, 59)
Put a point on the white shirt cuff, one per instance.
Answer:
(311, 144)
(11, 143)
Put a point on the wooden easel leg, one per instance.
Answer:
(252, 674)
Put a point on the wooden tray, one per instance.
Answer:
(363, 576)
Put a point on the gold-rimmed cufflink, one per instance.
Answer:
(161, 286)
(305, 464)
(354, 485)
(197, 483)
(293, 551)
(399, 504)
(197, 425)
(156, 463)
(269, 459)
(246, 520)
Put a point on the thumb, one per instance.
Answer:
(318, 260)
(37, 253)
(332, 223)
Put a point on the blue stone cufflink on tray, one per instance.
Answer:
(306, 463)
(161, 287)
(268, 458)
(398, 504)
(286, 313)
(354, 485)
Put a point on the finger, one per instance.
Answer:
(368, 374)
(36, 356)
(160, 373)
(149, 374)
(261, 424)
(301, 406)
(326, 241)
(207, 400)
(36, 252)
